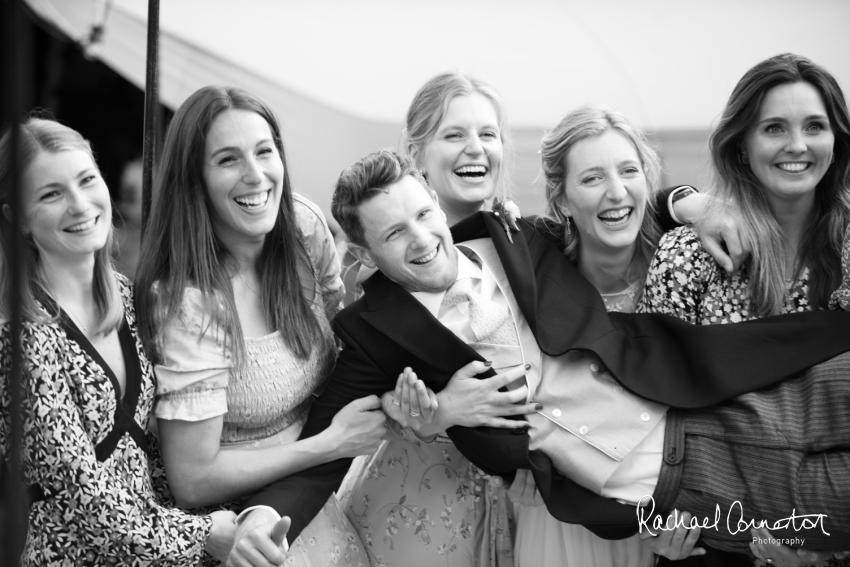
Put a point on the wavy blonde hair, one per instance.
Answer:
(431, 104)
(587, 122)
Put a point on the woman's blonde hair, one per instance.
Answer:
(431, 104)
(36, 136)
(587, 122)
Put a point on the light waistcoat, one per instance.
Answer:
(589, 425)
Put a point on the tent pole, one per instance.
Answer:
(149, 157)
(17, 75)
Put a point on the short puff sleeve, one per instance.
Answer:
(319, 242)
(192, 378)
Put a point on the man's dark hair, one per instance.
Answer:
(360, 182)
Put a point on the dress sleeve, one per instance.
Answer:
(319, 243)
(110, 518)
(192, 378)
(677, 276)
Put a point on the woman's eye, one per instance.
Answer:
(453, 136)
(591, 179)
(48, 196)
(631, 170)
(425, 214)
(816, 127)
(87, 180)
(265, 151)
(393, 234)
(773, 129)
(227, 160)
(489, 135)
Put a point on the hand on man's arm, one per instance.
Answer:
(260, 539)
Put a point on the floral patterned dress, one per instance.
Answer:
(425, 504)
(85, 453)
(686, 282)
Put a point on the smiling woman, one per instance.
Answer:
(238, 280)
(88, 388)
(782, 157)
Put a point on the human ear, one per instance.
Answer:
(7, 212)
(362, 254)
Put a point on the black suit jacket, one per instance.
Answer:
(654, 356)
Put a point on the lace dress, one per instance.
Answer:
(266, 400)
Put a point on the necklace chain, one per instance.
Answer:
(75, 317)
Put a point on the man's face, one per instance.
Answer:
(407, 237)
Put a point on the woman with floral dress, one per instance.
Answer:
(88, 387)
(237, 281)
(417, 503)
(782, 158)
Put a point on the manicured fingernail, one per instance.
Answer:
(488, 363)
(538, 407)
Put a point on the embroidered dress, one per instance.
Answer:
(266, 400)
(684, 281)
(424, 504)
(85, 453)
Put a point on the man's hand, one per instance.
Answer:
(260, 540)
(718, 229)
(411, 404)
(677, 543)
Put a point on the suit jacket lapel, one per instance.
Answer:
(398, 315)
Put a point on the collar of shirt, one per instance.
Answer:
(466, 268)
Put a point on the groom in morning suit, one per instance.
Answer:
(395, 224)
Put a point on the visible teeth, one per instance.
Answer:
(793, 167)
(471, 169)
(253, 200)
(615, 214)
(428, 258)
(82, 226)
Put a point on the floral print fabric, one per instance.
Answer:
(95, 512)
(425, 504)
(684, 281)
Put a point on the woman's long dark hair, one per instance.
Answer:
(820, 247)
(181, 249)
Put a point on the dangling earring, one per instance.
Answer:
(743, 159)
(569, 232)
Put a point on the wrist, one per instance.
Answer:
(324, 446)
(684, 204)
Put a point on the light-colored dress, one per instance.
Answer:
(425, 504)
(266, 400)
(544, 541)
